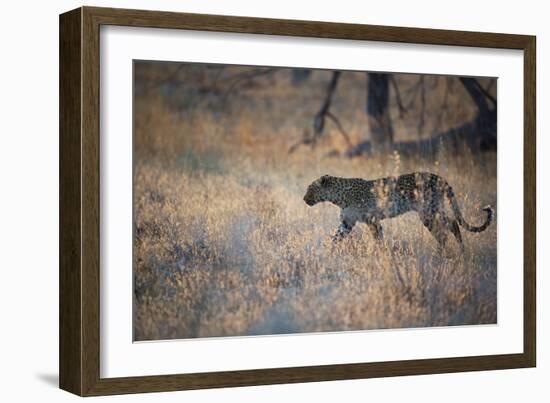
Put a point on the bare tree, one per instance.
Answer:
(479, 134)
(320, 118)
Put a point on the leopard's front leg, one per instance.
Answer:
(375, 228)
(344, 229)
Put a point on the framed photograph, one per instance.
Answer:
(249, 201)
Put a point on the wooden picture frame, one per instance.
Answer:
(79, 347)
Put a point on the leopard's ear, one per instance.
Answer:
(325, 180)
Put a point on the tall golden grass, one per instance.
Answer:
(225, 246)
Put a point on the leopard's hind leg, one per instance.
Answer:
(455, 230)
(437, 227)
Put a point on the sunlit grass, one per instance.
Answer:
(238, 252)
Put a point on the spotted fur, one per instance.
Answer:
(370, 201)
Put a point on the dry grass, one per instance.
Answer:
(225, 246)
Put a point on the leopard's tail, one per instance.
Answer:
(488, 209)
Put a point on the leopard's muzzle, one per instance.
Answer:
(309, 202)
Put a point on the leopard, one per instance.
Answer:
(371, 201)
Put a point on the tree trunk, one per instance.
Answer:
(378, 95)
(486, 119)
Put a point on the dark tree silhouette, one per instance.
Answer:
(479, 134)
(320, 118)
(378, 97)
(485, 123)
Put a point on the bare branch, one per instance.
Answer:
(305, 140)
(340, 128)
(319, 120)
(246, 76)
(311, 140)
(475, 91)
(402, 110)
(486, 92)
(415, 89)
(490, 85)
(422, 119)
(168, 78)
(444, 105)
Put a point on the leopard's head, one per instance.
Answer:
(320, 190)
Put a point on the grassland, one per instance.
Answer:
(225, 246)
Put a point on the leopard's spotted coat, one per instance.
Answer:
(371, 201)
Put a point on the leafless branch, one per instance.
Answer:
(444, 105)
(402, 110)
(319, 120)
(169, 78)
(414, 90)
(246, 76)
(490, 85)
(340, 128)
(306, 139)
(422, 119)
(486, 92)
